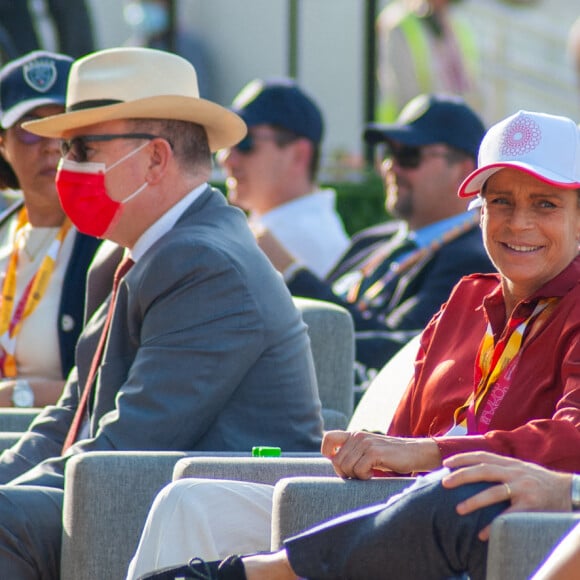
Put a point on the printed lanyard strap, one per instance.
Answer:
(11, 317)
(371, 294)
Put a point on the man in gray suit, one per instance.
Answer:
(200, 347)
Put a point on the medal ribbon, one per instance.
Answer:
(11, 317)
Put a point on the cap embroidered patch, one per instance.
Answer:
(522, 135)
(40, 74)
(34, 80)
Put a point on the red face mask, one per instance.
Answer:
(84, 198)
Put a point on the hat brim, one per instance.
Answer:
(224, 128)
(407, 135)
(18, 111)
(474, 182)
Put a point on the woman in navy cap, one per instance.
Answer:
(43, 259)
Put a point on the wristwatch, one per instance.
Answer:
(22, 394)
(575, 492)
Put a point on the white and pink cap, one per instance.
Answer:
(545, 146)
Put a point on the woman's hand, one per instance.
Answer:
(358, 454)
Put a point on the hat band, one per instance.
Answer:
(92, 104)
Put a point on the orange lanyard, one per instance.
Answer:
(494, 361)
(11, 317)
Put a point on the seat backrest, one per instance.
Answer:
(377, 406)
(331, 332)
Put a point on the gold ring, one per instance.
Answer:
(508, 490)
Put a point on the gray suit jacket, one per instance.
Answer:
(206, 351)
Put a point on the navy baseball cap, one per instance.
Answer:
(280, 103)
(33, 80)
(430, 119)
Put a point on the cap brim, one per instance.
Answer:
(18, 111)
(473, 183)
(224, 128)
(407, 135)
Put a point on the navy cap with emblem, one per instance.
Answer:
(33, 80)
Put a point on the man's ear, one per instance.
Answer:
(159, 158)
(303, 150)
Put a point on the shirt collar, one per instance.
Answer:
(427, 234)
(164, 223)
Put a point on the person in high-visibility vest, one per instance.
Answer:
(423, 47)
(573, 47)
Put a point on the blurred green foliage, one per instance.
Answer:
(360, 203)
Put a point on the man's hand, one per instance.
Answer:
(531, 487)
(358, 454)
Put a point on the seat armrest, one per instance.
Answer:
(13, 419)
(106, 501)
(520, 542)
(256, 469)
(302, 502)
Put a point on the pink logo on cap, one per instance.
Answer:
(521, 136)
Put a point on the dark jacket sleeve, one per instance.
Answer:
(418, 295)
(72, 299)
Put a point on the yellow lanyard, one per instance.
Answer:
(493, 361)
(11, 317)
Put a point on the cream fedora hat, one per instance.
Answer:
(138, 83)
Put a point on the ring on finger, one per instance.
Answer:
(508, 491)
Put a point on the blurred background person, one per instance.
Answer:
(56, 25)
(574, 48)
(272, 173)
(154, 24)
(43, 259)
(422, 47)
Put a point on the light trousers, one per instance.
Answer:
(207, 518)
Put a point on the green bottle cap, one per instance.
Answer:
(261, 451)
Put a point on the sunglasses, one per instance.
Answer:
(26, 137)
(79, 146)
(408, 157)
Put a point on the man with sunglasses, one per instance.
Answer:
(198, 327)
(272, 173)
(396, 275)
